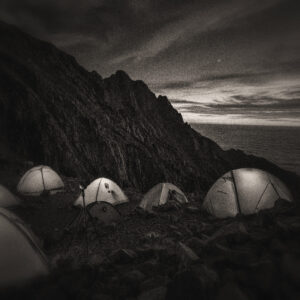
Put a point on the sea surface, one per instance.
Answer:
(280, 145)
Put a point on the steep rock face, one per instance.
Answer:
(53, 111)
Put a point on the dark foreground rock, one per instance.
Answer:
(152, 257)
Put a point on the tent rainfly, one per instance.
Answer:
(21, 259)
(104, 212)
(160, 194)
(40, 180)
(102, 189)
(244, 191)
(7, 199)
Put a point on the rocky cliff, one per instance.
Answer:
(53, 111)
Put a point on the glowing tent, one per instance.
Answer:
(102, 189)
(40, 180)
(21, 259)
(7, 199)
(244, 191)
(160, 194)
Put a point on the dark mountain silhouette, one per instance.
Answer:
(53, 111)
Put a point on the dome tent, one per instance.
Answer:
(160, 194)
(20, 256)
(244, 191)
(39, 180)
(7, 199)
(102, 189)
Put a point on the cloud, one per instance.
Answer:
(193, 22)
(272, 101)
(213, 58)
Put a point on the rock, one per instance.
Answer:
(173, 219)
(265, 276)
(152, 235)
(169, 242)
(186, 255)
(153, 282)
(145, 252)
(166, 255)
(282, 206)
(196, 283)
(288, 291)
(149, 267)
(158, 293)
(95, 259)
(192, 209)
(48, 293)
(235, 231)
(168, 206)
(228, 275)
(290, 224)
(102, 297)
(173, 227)
(61, 261)
(291, 268)
(123, 256)
(196, 244)
(277, 247)
(231, 291)
(209, 278)
(133, 277)
(185, 285)
(243, 257)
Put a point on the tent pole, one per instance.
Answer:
(85, 222)
(261, 196)
(273, 186)
(43, 179)
(98, 190)
(236, 193)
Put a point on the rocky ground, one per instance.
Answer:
(170, 254)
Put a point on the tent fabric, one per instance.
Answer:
(244, 191)
(160, 194)
(21, 259)
(7, 199)
(104, 212)
(102, 189)
(39, 180)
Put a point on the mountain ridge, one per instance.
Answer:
(55, 112)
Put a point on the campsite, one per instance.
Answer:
(106, 190)
(167, 253)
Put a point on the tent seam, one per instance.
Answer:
(98, 190)
(236, 193)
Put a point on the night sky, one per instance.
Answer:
(218, 61)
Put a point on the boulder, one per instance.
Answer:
(158, 293)
(231, 291)
(186, 255)
(123, 256)
(291, 268)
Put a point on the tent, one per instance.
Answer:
(40, 180)
(160, 194)
(7, 199)
(102, 189)
(244, 191)
(21, 259)
(104, 212)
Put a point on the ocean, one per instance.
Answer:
(280, 145)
